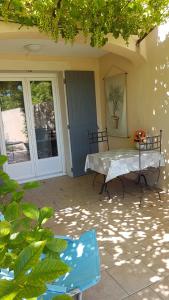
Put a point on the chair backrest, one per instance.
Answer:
(97, 137)
(82, 255)
(148, 144)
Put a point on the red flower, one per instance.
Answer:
(139, 135)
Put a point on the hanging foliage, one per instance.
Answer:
(94, 18)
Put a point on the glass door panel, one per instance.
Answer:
(14, 122)
(29, 127)
(44, 119)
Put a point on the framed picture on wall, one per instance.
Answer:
(116, 105)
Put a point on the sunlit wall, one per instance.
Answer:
(147, 91)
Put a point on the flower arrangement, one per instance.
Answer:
(139, 135)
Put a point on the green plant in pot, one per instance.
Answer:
(23, 242)
(115, 99)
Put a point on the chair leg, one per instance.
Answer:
(145, 180)
(102, 186)
(158, 177)
(159, 195)
(122, 183)
(75, 294)
(141, 195)
(79, 296)
(138, 180)
(140, 201)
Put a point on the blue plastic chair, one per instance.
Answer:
(82, 255)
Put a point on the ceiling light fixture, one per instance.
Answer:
(33, 47)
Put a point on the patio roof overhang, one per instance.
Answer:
(14, 33)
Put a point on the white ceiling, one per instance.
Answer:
(49, 47)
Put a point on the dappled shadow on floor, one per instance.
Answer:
(133, 241)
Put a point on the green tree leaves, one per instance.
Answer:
(28, 258)
(47, 270)
(31, 185)
(45, 213)
(12, 211)
(96, 18)
(8, 290)
(56, 245)
(3, 159)
(26, 248)
(9, 186)
(5, 228)
(32, 289)
(30, 210)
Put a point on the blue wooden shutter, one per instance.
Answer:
(81, 101)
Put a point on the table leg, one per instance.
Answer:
(104, 188)
(122, 183)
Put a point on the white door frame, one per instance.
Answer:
(70, 173)
(26, 78)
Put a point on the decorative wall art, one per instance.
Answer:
(116, 112)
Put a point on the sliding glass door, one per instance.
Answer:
(30, 128)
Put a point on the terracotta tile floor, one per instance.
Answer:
(133, 241)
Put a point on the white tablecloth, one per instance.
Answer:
(118, 162)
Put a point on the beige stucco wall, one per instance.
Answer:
(147, 93)
(150, 93)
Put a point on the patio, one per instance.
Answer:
(133, 241)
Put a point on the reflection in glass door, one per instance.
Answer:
(14, 121)
(15, 137)
(44, 118)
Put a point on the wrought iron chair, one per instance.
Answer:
(97, 137)
(94, 139)
(151, 143)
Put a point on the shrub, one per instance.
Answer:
(24, 241)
